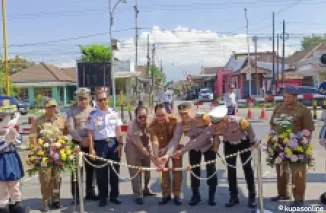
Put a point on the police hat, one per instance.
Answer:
(184, 107)
(218, 114)
(6, 108)
(291, 90)
(50, 102)
(82, 92)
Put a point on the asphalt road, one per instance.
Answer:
(316, 184)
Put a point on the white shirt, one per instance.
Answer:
(104, 124)
(167, 96)
(229, 99)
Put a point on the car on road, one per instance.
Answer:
(22, 106)
(206, 94)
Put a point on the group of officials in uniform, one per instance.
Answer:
(98, 132)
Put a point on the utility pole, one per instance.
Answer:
(148, 58)
(277, 62)
(136, 40)
(148, 66)
(284, 37)
(273, 41)
(255, 39)
(153, 67)
(5, 46)
(249, 59)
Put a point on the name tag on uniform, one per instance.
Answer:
(99, 123)
(185, 128)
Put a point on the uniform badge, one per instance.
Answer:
(244, 124)
(186, 128)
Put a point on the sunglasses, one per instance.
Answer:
(102, 99)
(183, 113)
(142, 117)
(51, 107)
(82, 99)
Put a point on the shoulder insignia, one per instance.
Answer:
(244, 124)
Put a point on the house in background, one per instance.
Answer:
(46, 80)
(307, 64)
(261, 73)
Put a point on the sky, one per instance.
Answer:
(187, 34)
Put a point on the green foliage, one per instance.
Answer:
(95, 53)
(309, 42)
(14, 90)
(158, 75)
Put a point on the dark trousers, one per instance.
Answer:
(231, 110)
(232, 172)
(90, 178)
(102, 174)
(195, 158)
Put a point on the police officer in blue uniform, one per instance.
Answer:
(104, 132)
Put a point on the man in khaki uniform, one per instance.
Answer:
(161, 132)
(237, 135)
(192, 126)
(50, 181)
(139, 152)
(302, 119)
(77, 118)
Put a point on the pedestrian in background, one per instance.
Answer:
(230, 102)
(77, 118)
(104, 134)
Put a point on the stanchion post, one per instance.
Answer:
(314, 104)
(80, 182)
(260, 184)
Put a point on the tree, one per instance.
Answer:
(14, 90)
(95, 53)
(158, 75)
(309, 42)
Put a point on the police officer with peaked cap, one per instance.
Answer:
(105, 141)
(77, 118)
(237, 135)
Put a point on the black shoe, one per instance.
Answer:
(91, 197)
(211, 202)
(195, 199)
(164, 200)
(147, 192)
(139, 201)
(211, 196)
(102, 203)
(4, 209)
(56, 205)
(18, 208)
(252, 203)
(278, 198)
(177, 200)
(115, 200)
(297, 204)
(232, 202)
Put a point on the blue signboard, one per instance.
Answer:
(322, 88)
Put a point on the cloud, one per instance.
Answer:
(184, 49)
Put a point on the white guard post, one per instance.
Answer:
(260, 184)
(80, 182)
